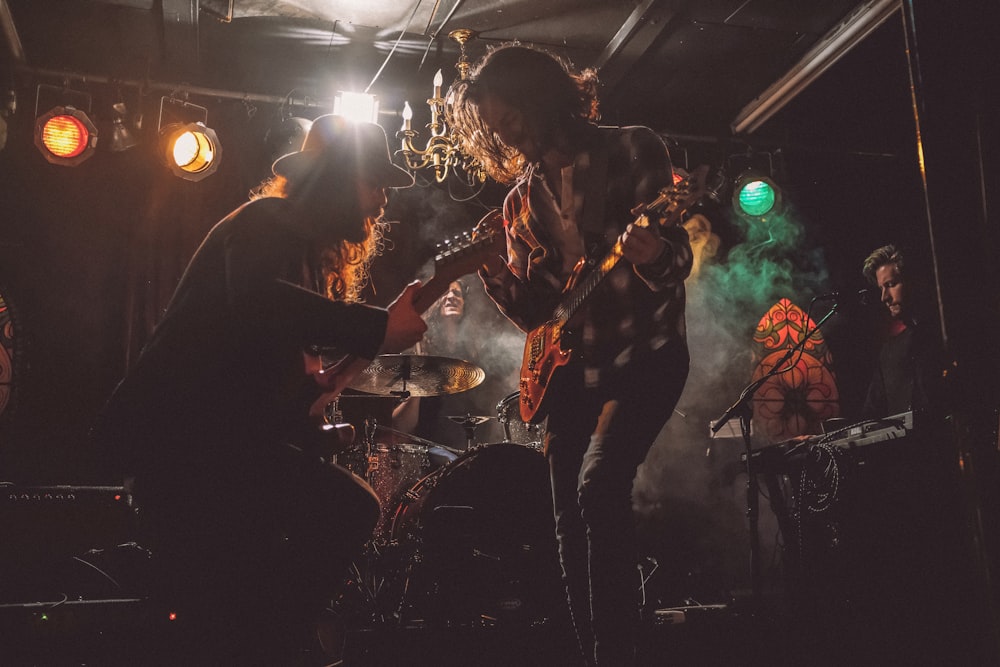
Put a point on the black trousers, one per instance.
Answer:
(595, 441)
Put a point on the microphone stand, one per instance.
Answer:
(743, 408)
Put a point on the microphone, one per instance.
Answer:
(861, 296)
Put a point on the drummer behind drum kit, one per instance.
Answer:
(463, 538)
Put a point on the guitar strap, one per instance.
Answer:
(592, 226)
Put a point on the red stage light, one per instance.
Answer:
(65, 136)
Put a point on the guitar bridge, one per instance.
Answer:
(525, 398)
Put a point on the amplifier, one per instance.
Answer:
(23, 496)
(44, 526)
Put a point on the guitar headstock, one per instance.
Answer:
(485, 239)
(465, 253)
(673, 200)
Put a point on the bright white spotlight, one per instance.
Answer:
(358, 107)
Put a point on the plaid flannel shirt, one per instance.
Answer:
(634, 310)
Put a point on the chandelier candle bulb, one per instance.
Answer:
(407, 115)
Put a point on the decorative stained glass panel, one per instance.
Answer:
(797, 401)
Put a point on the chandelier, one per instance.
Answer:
(441, 151)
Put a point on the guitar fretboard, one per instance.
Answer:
(584, 288)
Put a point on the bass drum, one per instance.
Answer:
(481, 544)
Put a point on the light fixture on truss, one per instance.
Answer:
(65, 135)
(190, 149)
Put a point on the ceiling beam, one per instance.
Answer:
(634, 38)
(842, 38)
(180, 34)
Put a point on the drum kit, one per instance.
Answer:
(463, 537)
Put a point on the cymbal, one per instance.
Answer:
(418, 375)
(469, 420)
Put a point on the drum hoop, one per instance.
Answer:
(503, 412)
(404, 447)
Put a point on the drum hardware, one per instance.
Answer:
(417, 375)
(482, 554)
(392, 468)
(469, 423)
(460, 548)
(414, 438)
(514, 428)
(332, 414)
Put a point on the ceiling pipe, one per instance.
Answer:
(851, 31)
(9, 29)
(173, 88)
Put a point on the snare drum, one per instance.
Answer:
(481, 540)
(391, 469)
(516, 430)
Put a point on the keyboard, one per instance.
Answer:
(774, 458)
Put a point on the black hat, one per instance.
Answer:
(334, 138)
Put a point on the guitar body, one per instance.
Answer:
(546, 349)
(544, 354)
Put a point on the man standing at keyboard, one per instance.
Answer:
(903, 518)
(910, 370)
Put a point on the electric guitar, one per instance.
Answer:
(461, 255)
(546, 348)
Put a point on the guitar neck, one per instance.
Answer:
(669, 203)
(575, 298)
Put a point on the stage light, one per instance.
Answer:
(190, 149)
(755, 195)
(357, 107)
(122, 137)
(65, 136)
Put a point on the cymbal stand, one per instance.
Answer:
(371, 424)
(469, 423)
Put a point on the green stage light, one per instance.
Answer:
(755, 195)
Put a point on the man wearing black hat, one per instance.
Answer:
(250, 536)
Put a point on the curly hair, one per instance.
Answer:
(887, 254)
(544, 87)
(345, 264)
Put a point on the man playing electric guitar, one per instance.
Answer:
(530, 119)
